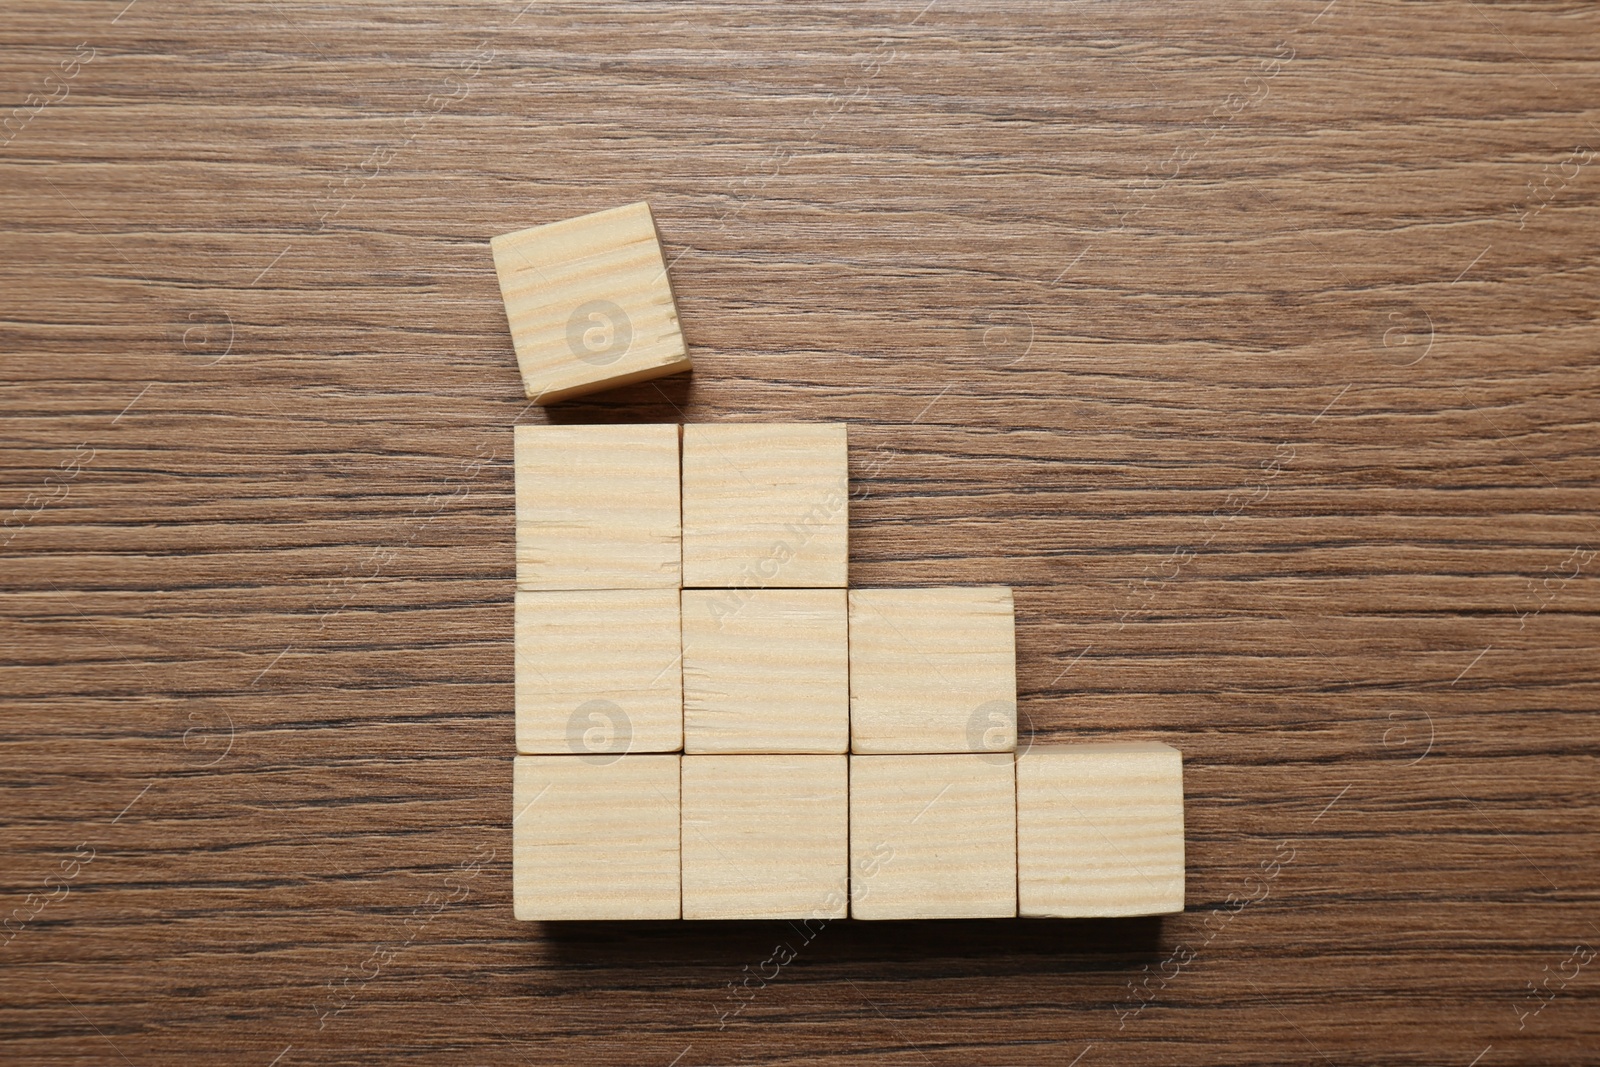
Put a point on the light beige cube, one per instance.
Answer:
(932, 837)
(598, 671)
(597, 507)
(589, 303)
(1100, 830)
(765, 837)
(595, 840)
(766, 670)
(933, 670)
(765, 505)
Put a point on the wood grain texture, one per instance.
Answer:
(933, 670)
(595, 837)
(765, 506)
(766, 670)
(589, 303)
(1099, 830)
(598, 670)
(598, 507)
(1252, 345)
(766, 837)
(933, 837)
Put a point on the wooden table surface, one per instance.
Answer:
(1254, 345)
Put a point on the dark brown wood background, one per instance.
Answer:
(1254, 345)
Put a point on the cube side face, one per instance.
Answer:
(589, 304)
(597, 507)
(1100, 831)
(597, 672)
(765, 837)
(933, 670)
(766, 505)
(594, 839)
(932, 837)
(766, 671)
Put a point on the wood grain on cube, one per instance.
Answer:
(766, 670)
(1100, 830)
(765, 837)
(595, 837)
(597, 507)
(932, 670)
(765, 505)
(933, 837)
(589, 303)
(597, 670)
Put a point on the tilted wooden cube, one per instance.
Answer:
(933, 670)
(932, 837)
(597, 507)
(1100, 830)
(766, 670)
(593, 839)
(765, 837)
(589, 303)
(597, 671)
(765, 505)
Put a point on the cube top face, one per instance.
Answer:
(597, 507)
(595, 840)
(766, 670)
(932, 837)
(597, 672)
(765, 837)
(1100, 830)
(589, 303)
(765, 505)
(933, 670)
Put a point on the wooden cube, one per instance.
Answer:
(589, 303)
(765, 505)
(595, 840)
(1100, 830)
(597, 507)
(932, 670)
(765, 837)
(597, 672)
(932, 837)
(766, 670)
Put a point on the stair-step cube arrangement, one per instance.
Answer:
(711, 725)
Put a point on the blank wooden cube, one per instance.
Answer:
(932, 837)
(595, 840)
(765, 505)
(597, 507)
(589, 303)
(766, 670)
(1100, 830)
(932, 670)
(597, 671)
(765, 837)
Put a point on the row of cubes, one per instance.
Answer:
(766, 671)
(735, 506)
(1073, 831)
